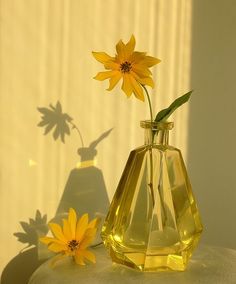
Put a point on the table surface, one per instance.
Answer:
(208, 265)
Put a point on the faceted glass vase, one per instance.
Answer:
(153, 222)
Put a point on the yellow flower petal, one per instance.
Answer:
(127, 86)
(141, 70)
(67, 230)
(57, 247)
(149, 61)
(102, 56)
(49, 240)
(120, 48)
(143, 80)
(94, 223)
(57, 232)
(90, 232)
(129, 48)
(105, 75)
(137, 89)
(137, 56)
(112, 65)
(114, 80)
(72, 220)
(81, 227)
(46, 240)
(79, 259)
(146, 81)
(88, 255)
(88, 238)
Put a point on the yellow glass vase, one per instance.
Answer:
(153, 222)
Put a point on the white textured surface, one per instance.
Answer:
(211, 265)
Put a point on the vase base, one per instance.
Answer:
(153, 262)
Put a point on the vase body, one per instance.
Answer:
(153, 222)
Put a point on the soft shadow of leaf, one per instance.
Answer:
(100, 138)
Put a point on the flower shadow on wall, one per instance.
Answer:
(27, 261)
(85, 189)
(54, 119)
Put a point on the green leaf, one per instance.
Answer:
(165, 113)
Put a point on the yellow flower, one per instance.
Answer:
(73, 238)
(132, 66)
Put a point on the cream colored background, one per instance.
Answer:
(45, 56)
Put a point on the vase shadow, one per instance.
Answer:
(85, 189)
(21, 267)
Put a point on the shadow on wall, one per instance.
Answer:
(85, 191)
(212, 135)
(21, 267)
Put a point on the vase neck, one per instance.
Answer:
(156, 132)
(157, 137)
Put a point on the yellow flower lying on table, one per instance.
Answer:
(73, 238)
(132, 66)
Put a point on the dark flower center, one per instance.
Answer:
(125, 67)
(73, 245)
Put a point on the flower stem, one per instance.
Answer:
(75, 127)
(96, 245)
(149, 103)
(151, 156)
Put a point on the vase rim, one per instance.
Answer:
(163, 125)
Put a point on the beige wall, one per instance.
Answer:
(212, 131)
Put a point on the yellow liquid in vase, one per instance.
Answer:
(153, 222)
